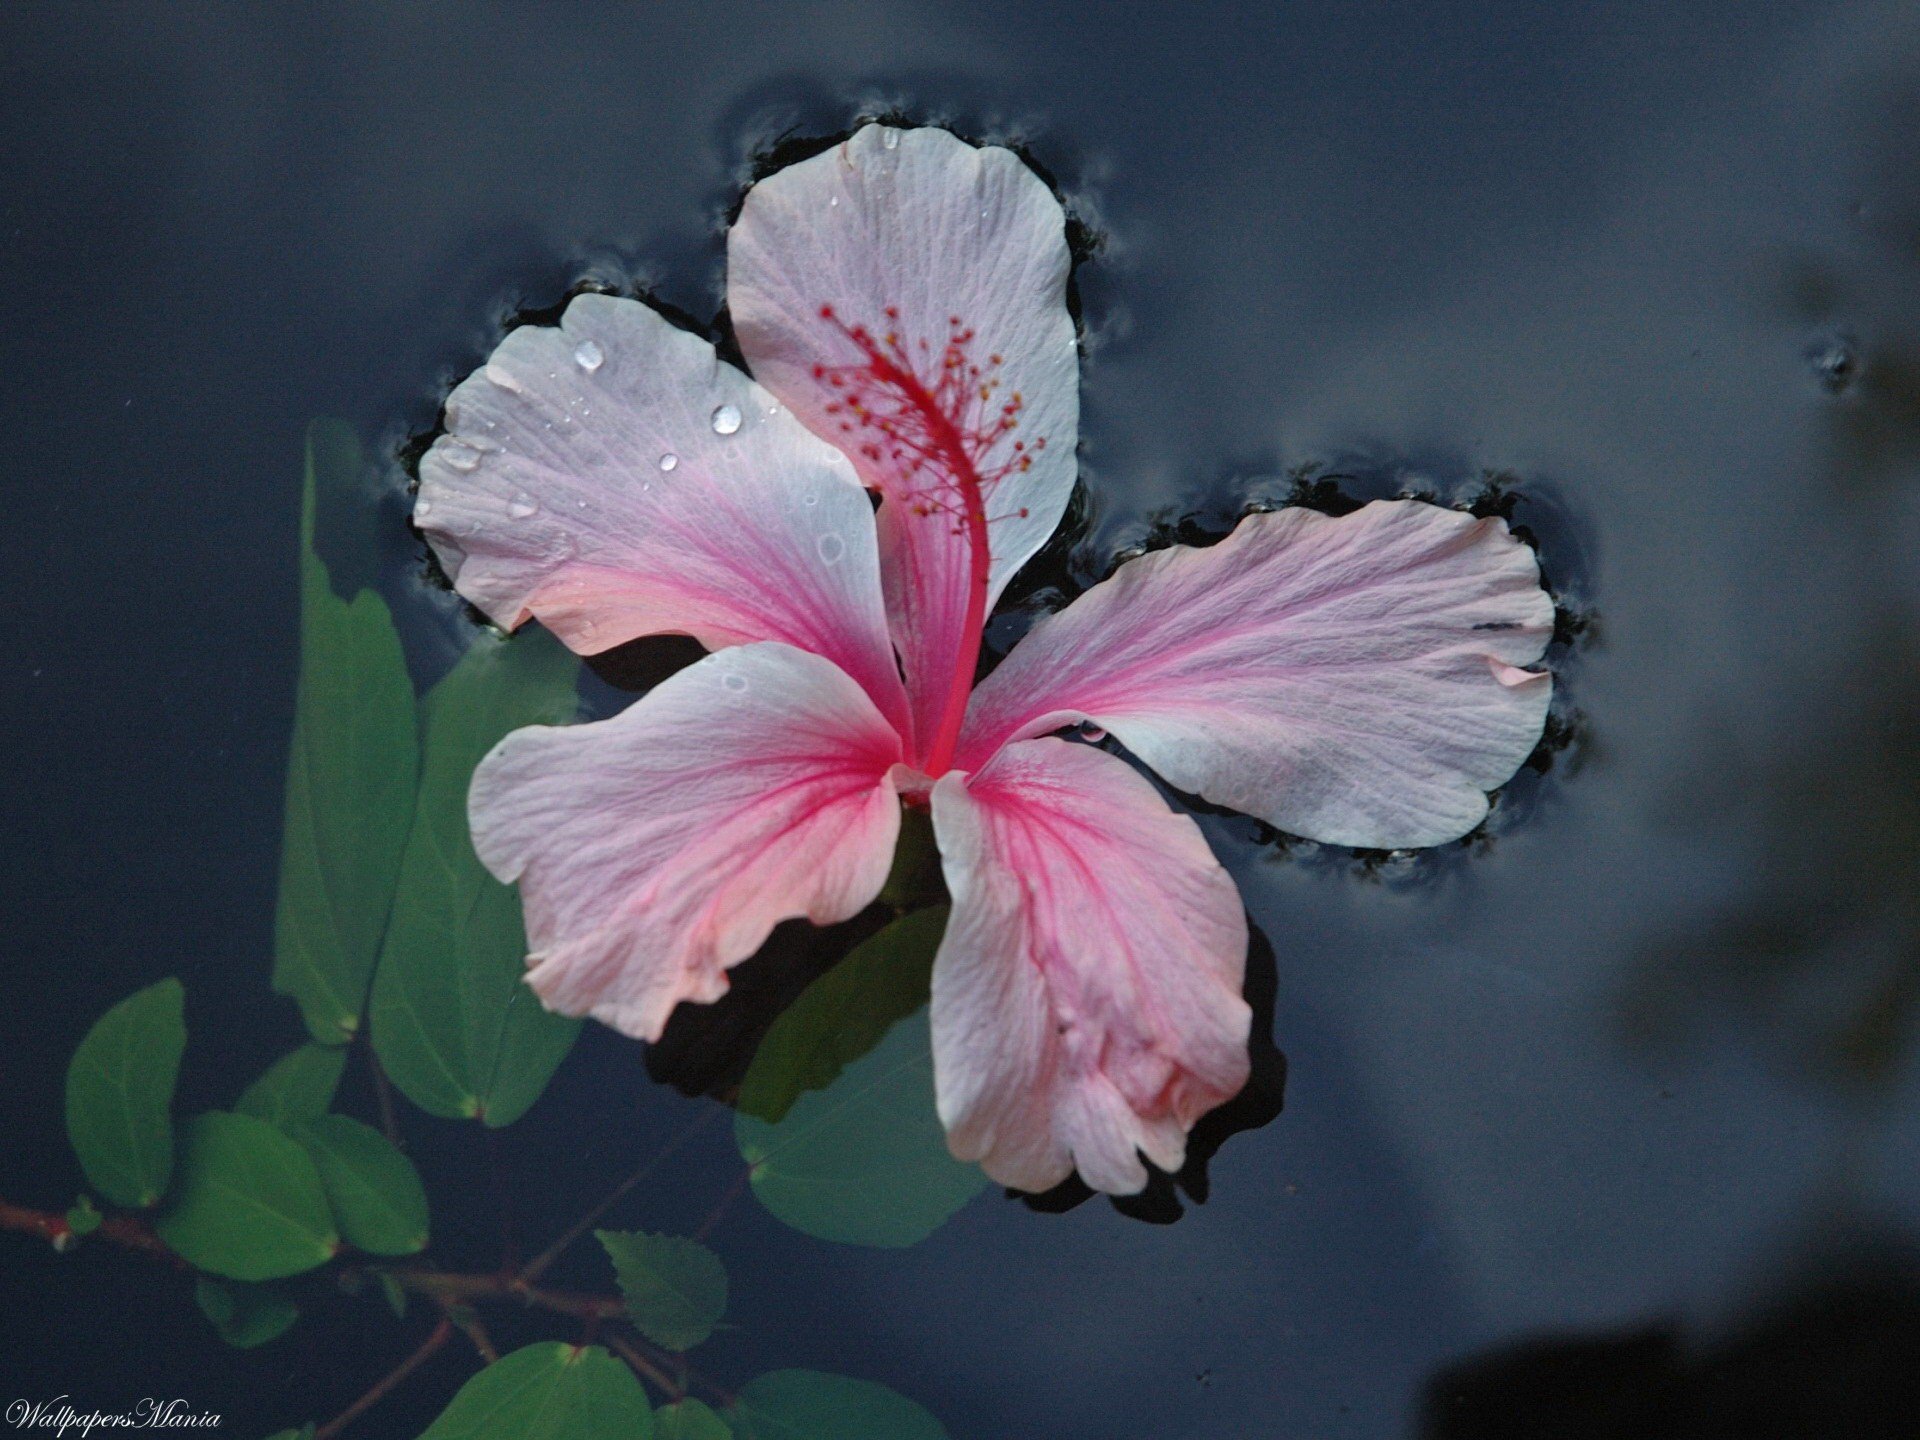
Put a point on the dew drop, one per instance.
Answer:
(422, 508)
(735, 683)
(890, 139)
(812, 497)
(671, 461)
(588, 356)
(521, 509)
(504, 378)
(726, 419)
(460, 457)
(833, 202)
(831, 548)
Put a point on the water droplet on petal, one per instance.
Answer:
(831, 548)
(735, 683)
(726, 419)
(890, 139)
(422, 508)
(521, 509)
(504, 378)
(670, 460)
(460, 457)
(812, 497)
(588, 356)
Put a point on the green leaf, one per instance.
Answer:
(373, 1189)
(453, 1021)
(809, 1405)
(549, 1391)
(675, 1289)
(305, 1432)
(689, 1420)
(351, 773)
(245, 1315)
(120, 1094)
(395, 1293)
(83, 1219)
(843, 1015)
(249, 1205)
(298, 1086)
(863, 1161)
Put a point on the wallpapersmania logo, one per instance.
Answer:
(61, 1416)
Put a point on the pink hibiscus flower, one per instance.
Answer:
(901, 299)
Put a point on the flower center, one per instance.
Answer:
(933, 424)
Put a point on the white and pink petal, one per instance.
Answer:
(1361, 680)
(614, 478)
(658, 848)
(905, 293)
(1087, 1004)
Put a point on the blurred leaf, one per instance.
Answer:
(395, 1293)
(809, 1405)
(305, 1432)
(351, 774)
(689, 1420)
(120, 1094)
(675, 1289)
(245, 1315)
(249, 1204)
(373, 1189)
(83, 1218)
(453, 1021)
(863, 1161)
(298, 1086)
(548, 1392)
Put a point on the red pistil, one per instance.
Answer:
(935, 433)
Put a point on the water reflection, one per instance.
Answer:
(1830, 1352)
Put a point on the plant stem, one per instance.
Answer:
(386, 1384)
(135, 1234)
(538, 1266)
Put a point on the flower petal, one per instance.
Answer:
(1086, 997)
(935, 251)
(656, 849)
(614, 478)
(1358, 681)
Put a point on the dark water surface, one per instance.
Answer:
(1640, 1059)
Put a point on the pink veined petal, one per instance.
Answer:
(1358, 681)
(614, 478)
(656, 849)
(1086, 996)
(946, 366)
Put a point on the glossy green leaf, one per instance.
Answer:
(120, 1094)
(689, 1420)
(864, 1160)
(249, 1204)
(453, 1021)
(373, 1189)
(351, 774)
(298, 1086)
(675, 1288)
(549, 1391)
(245, 1315)
(809, 1405)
